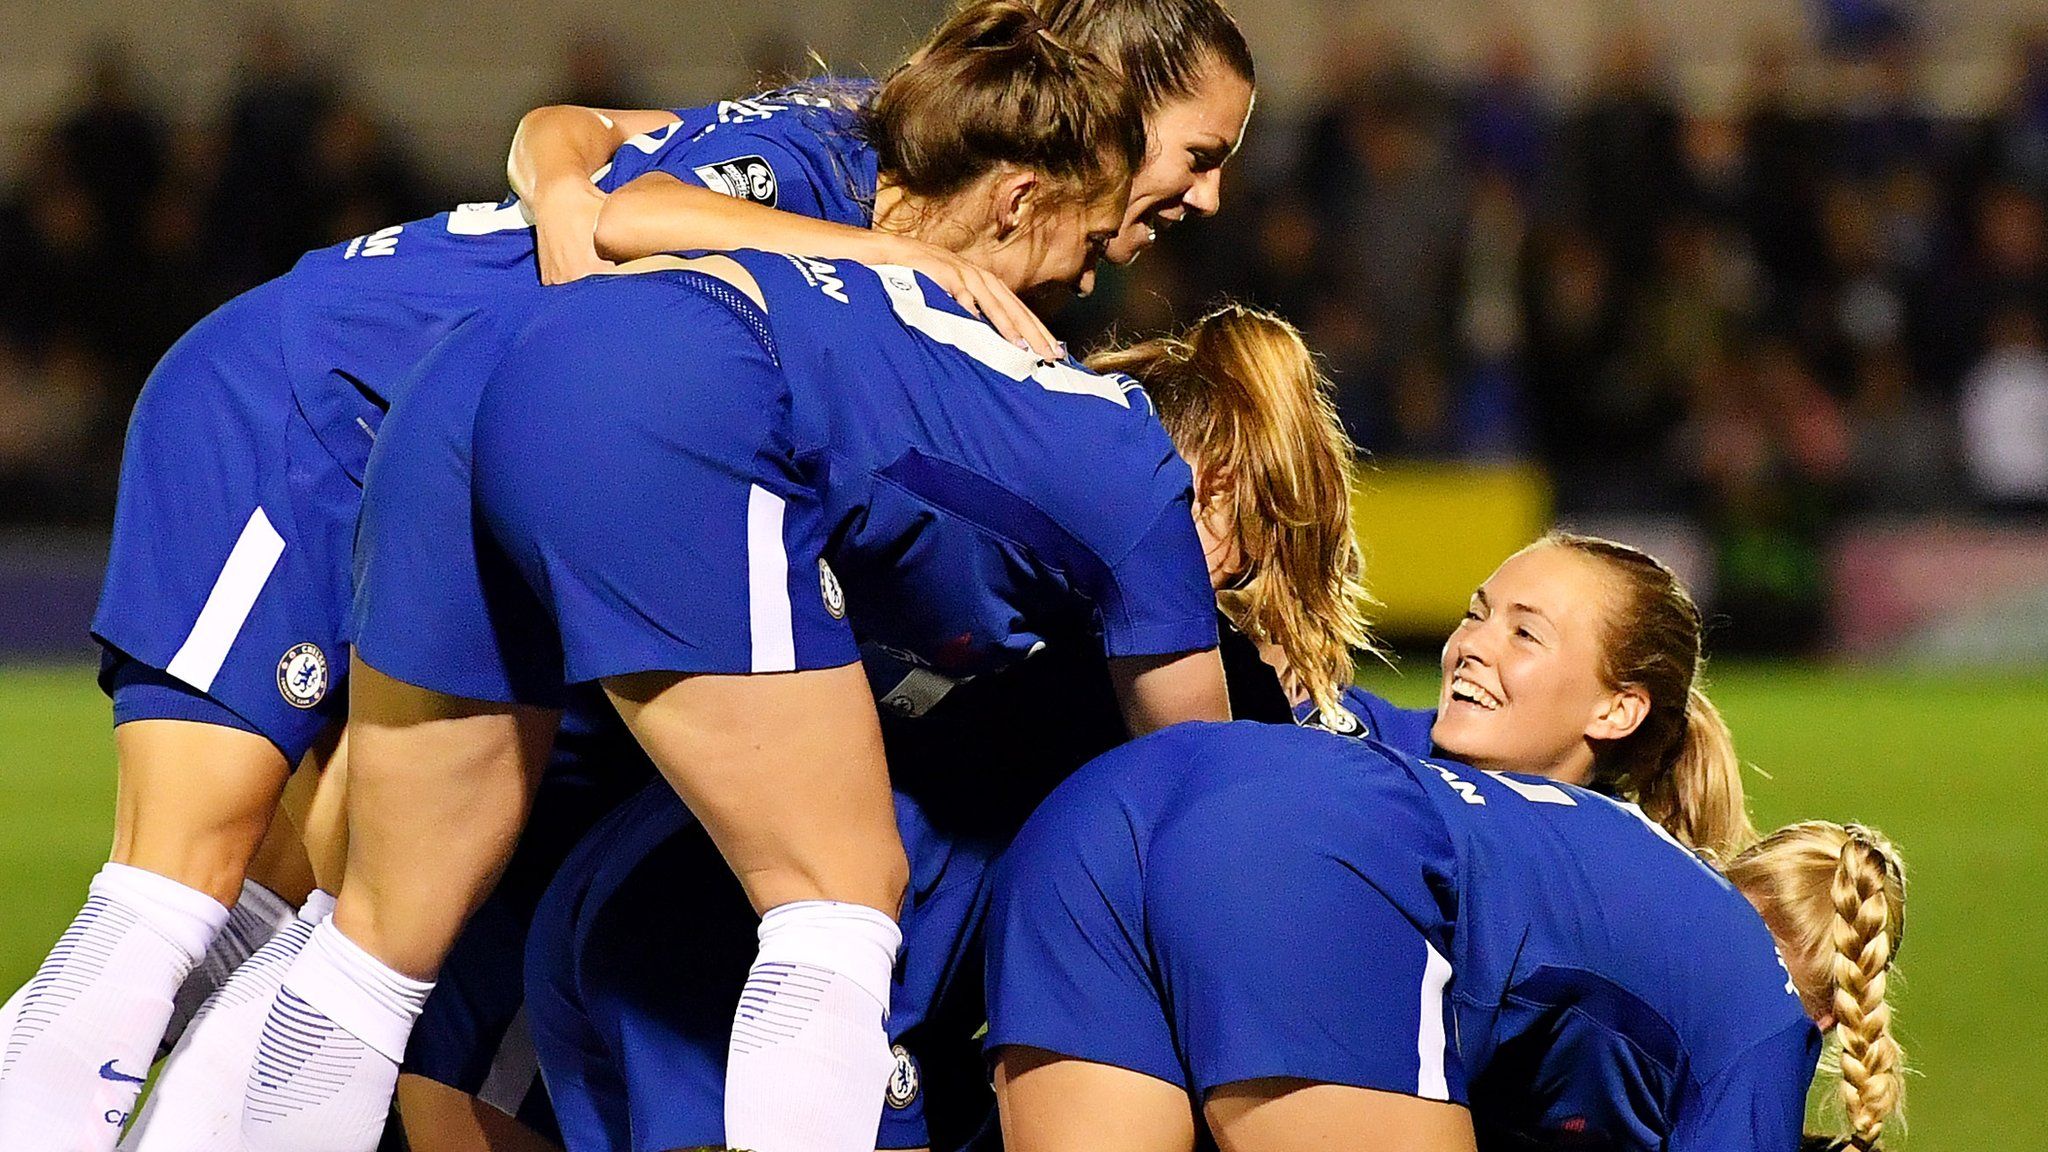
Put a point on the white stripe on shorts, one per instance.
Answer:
(1430, 1083)
(768, 584)
(227, 607)
(513, 1069)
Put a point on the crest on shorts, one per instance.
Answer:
(742, 178)
(902, 1079)
(302, 675)
(828, 587)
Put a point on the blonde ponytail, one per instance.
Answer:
(1679, 764)
(1241, 395)
(1835, 897)
(1698, 794)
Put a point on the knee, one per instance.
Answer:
(877, 880)
(212, 859)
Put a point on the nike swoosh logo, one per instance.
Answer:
(109, 1072)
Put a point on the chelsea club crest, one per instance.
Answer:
(902, 1079)
(302, 675)
(828, 587)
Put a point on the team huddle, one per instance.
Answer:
(682, 658)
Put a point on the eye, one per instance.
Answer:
(1471, 613)
(1525, 634)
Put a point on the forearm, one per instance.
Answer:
(659, 213)
(557, 143)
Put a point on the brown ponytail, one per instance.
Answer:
(996, 85)
(1835, 897)
(1240, 392)
(1679, 764)
(1163, 47)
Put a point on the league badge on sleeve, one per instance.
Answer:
(743, 178)
(302, 675)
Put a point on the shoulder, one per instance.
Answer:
(1365, 715)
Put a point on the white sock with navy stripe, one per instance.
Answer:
(327, 1060)
(258, 915)
(88, 1023)
(197, 1103)
(809, 1060)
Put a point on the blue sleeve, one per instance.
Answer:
(1367, 716)
(792, 168)
(1757, 1102)
(1157, 600)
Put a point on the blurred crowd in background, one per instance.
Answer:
(1821, 301)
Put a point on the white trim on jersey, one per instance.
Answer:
(228, 606)
(1430, 1081)
(980, 341)
(768, 610)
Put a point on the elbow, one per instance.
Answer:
(613, 235)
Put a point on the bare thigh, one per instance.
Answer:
(1053, 1103)
(194, 801)
(438, 788)
(786, 772)
(1287, 1115)
(442, 1119)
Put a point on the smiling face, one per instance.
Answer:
(1522, 686)
(1037, 235)
(1188, 139)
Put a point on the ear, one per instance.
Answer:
(1619, 713)
(1015, 196)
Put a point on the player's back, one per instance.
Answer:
(1612, 990)
(986, 500)
(360, 314)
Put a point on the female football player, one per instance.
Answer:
(1619, 629)
(706, 449)
(371, 310)
(1188, 59)
(634, 965)
(1302, 937)
(221, 618)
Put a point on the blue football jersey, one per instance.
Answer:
(358, 315)
(1612, 990)
(984, 501)
(1216, 903)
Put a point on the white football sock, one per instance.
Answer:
(89, 1022)
(197, 1103)
(7, 1012)
(327, 1060)
(258, 915)
(809, 1059)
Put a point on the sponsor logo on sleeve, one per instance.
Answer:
(744, 178)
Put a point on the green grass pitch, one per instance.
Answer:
(1953, 766)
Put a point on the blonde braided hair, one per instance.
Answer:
(1834, 895)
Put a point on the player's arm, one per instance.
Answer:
(1157, 692)
(553, 154)
(656, 212)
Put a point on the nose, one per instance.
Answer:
(1207, 195)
